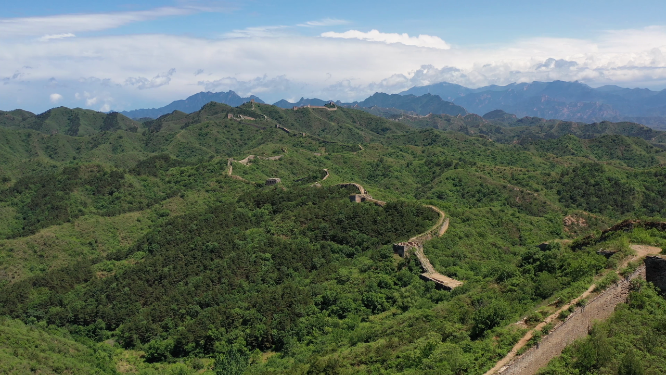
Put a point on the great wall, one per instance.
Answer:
(577, 325)
(415, 244)
(332, 107)
(404, 249)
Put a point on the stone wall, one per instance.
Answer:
(576, 326)
(656, 271)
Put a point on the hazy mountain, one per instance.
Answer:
(421, 105)
(192, 104)
(302, 102)
(560, 100)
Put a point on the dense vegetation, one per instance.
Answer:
(135, 246)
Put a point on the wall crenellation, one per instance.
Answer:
(332, 107)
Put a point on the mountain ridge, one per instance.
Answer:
(192, 103)
(558, 99)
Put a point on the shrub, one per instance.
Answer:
(606, 281)
(489, 317)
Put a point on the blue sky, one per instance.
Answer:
(119, 56)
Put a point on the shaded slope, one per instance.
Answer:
(421, 105)
(74, 122)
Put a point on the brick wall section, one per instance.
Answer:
(656, 271)
(575, 327)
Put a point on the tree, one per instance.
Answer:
(233, 362)
(630, 365)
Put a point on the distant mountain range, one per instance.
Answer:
(192, 104)
(573, 101)
(303, 102)
(420, 105)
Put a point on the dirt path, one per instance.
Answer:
(641, 252)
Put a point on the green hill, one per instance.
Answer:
(74, 122)
(501, 127)
(141, 238)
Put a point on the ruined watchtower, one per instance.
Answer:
(655, 271)
(358, 198)
(273, 181)
(403, 248)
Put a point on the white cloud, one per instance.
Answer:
(279, 30)
(70, 23)
(254, 86)
(324, 22)
(55, 98)
(143, 83)
(422, 40)
(46, 38)
(291, 66)
(257, 32)
(91, 101)
(105, 108)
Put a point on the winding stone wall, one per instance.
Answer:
(576, 326)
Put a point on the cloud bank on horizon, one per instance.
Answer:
(61, 60)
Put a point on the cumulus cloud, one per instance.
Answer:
(159, 80)
(55, 97)
(293, 66)
(427, 41)
(551, 64)
(69, 23)
(254, 86)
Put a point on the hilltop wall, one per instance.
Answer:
(576, 326)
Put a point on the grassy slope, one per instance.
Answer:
(28, 349)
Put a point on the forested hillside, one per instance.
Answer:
(156, 247)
